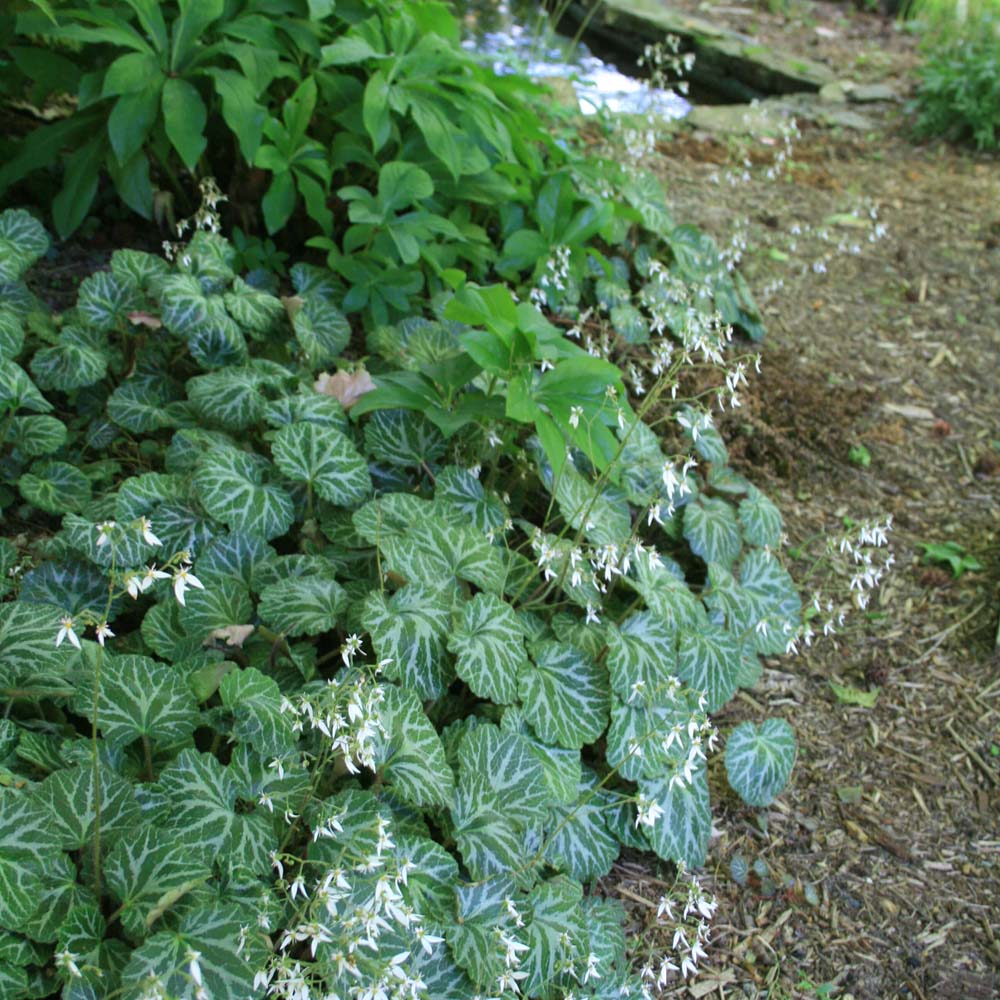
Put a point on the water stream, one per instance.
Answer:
(520, 39)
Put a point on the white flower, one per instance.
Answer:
(146, 527)
(67, 960)
(150, 577)
(67, 632)
(184, 578)
(592, 616)
(103, 632)
(104, 530)
(575, 412)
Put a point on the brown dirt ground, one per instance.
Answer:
(891, 823)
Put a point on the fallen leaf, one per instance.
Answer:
(910, 412)
(346, 387)
(848, 695)
(234, 635)
(139, 318)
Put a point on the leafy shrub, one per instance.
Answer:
(373, 697)
(958, 96)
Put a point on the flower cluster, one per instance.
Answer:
(552, 282)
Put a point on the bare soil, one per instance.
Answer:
(881, 861)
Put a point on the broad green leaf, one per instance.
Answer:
(143, 699)
(682, 832)
(164, 634)
(561, 767)
(17, 390)
(184, 118)
(105, 300)
(410, 629)
(55, 487)
(603, 517)
(138, 496)
(11, 334)
(759, 760)
(257, 312)
(564, 694)
(403, 438)
(200, 805)
(231, 397)
(488, 644)
(306, 407)
(145, 268)
(221, 602)
(389, 515)
(412, 757)
(255, 701)
(147, 873)
(71, 796)
(26, 829)
(580, 843)
(71, 585)
(490, 843)
(23, 240)
(183, 306)
(459, 494)
(38, 435)
(761, 520)
(712, 530)
(508, 765)
(326, 460)
(137, 405)
(637, 740)
(214, 930)
(231, 486)
(642, 654)
(79, 358)
(20, 886)
(430, 887)
(480, 908)
(322, 331)
(555, 933)
(709, 660)
(302, 606)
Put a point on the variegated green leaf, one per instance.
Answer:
(302, 605)
(682, 832)
(23, 240)
(668, 596)
(138, 404)
(759, 760)
(143, 699)
(564, 694)
(37, 435)
(761, 520)
(18, 391)
(232, 488)
(709, 661)
(20, 885)
(79, 358)
(603, 517)
(183, 306)
(555, 933)
(55, 487)
(71, 796)
(389, 515)
(220, 602)
(148, 872)
(255, 702)
(412, 757)
(326, 460)
(256, 312)
(480, 908)
(490, 843)
(230, 398)
(561, 767)
(488, 644)
(11, 334)
(460, 496)
(712, 530)
(322, 331)
(105, 300)
(410, 629)
(306, 407)
(144, 268)
(403, 438)
(580, 843)
(642, 655)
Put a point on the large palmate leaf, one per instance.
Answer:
(200, 796)
(412, 757)
(325, 459)
(410, 629)
(213, 930)
(255, 702)
(555, 933)
(564, 694)
(488, 644)
(148, 872)
(506, 761)
(75, 800)
(322, 331)
(682, 832)
(231, 486)
(55, 487)
(761, 520)
(305, 605)
(434, 552)
(759, 760)
(712, 530)
(709, 660)
(642, 654)
(143, 699)
(580, 844)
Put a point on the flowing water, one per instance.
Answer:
(520, 39)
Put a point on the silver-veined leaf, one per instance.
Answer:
(580, 843)
(322, 331)
(410, 629)
(636, 741)
(412, 757)
(238, 554)
(255, 702)
(759, 760)
(390, 515)
(71, 796)
(17, 390)
(403, 438)
(256, 312)
(488, 644)
(138, 405)
(761, 520)
(325, 459)
(183, 305)
(55, 487)
(11, 334)
(36, 435)
(231, 487)
(79, 358)
(682, 832)
(23, 240)
(490, 843)
(555, 934)
(220, 603)
(642, 654)
(480, 908)
(668, 596)
(458, 494)
(144, 268)
(306, 407)
(712, 530)
(709, 660)
(564, 695)
(305, 605)
(105, 299)
(230, 397)
(604, 517)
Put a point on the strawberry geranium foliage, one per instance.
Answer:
(318, 700)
